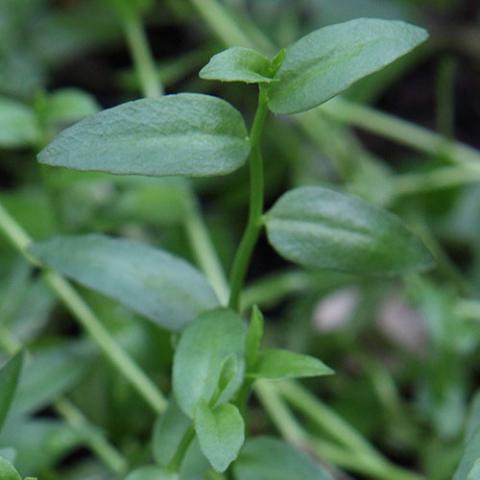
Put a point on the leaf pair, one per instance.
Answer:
(320, 65)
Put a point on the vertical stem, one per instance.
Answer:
(142, 56)
(254, 224)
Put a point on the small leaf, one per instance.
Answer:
(265, 458)
(321, 228)
(282, 364)
(9, 375)
(169, 431)
(254, 337)
(7, 471)
(220, 432)
(198, 360)
(228, 373)
(152, 472)
(238, 64)
(18, 124)
(327, 61)
(164, 288)
(185, 134)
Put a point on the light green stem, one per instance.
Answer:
(142, 56)
(82, 312)
(254, 223)
(204, 251)
(401, 131)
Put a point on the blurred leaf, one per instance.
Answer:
(164, 288)
(327, 61)
(7, 471)
(320, 228)
(9, 375)
(40, 443)
(198, 360)
(18, 124)
(184, 134)
(238, 64)
(50, 372)
(152, 473)
(265, 458)
(220, 433)
(282, 364)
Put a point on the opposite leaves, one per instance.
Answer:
(321, 228)
(185, 134)
(163, 288)
(327, 61)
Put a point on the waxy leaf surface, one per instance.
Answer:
(186, 134)
(327, 61)
(265, 458)
(238, 64)
(200, 358)
(282, 364)
(220, 432)
(163, 288)
(321, 228)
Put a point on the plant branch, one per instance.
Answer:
(254, 223)
(142, 56)
(85, 316)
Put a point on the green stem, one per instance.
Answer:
(204, 251)
(401, 131)
(182, 450)
(254, 223)
(142, 56)
(82, 312)
(75, 418)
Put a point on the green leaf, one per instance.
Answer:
(18, 124)
(254, 337)
(9, 375)
(199, 357)
(238, 64)
(152, 472)
(265, 458)
(327, 61)
(163, 288)
(185, 134)
(220, 432)
(321, 228)
(48, 373)
(68, 105)
(468, 464)
(169, 431)
(282, 364)
(7, 471)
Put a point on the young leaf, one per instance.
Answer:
(254, 337)
(185, 134)
(152, 472)
(282, 364)
(7, 471)
(321, 228)
(327, 61)
(9, 375)
(18, 124)
(220, 432)
(164, 288)
(238, 64)
(199, 357)
(265, 458)
(169, 431)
